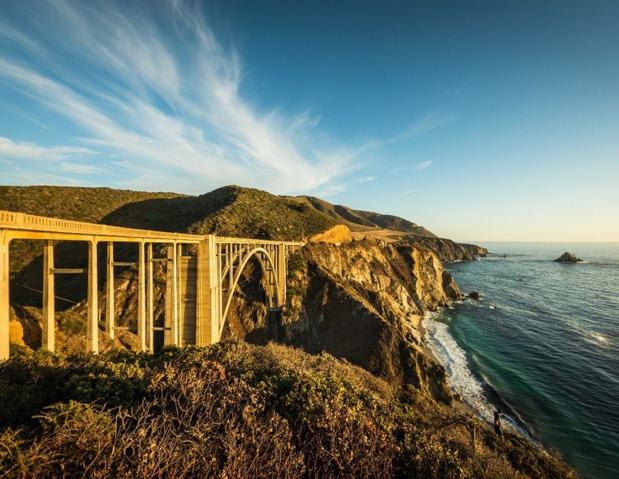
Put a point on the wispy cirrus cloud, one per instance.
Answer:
(154, 101)
(30, 151)
(423, 165)
(162, 108)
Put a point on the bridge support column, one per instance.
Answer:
(141, 298)
(49, 306)
(109, 297)
(92, 329)
(281, 274)
(208, 307)
(150, 299)
(4, 296)
(171, 301)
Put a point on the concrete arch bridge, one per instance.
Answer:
(202, 272)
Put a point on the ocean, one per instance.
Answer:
(542, 343)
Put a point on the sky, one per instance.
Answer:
(482, 121)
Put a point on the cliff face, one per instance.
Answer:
(448, 250)
(363, 301)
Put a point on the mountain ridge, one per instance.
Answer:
(227, 211)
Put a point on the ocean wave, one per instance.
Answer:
(462, 381)
(453, 358)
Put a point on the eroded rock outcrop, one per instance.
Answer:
(568, 258)
(363, 301)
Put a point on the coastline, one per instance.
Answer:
(458, 401)
(423, 332)
(482, 408)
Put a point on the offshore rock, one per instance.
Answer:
(363, 301)
(568, 258)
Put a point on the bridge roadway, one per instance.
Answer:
(202, 272)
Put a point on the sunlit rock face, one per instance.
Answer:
(363, 301)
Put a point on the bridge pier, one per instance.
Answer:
(281, 273)
(109, 288)
(171, 298)
(92, 324)
(4, 296)
(141, 297)
(49, 298)
(150, 306)
(208, 300)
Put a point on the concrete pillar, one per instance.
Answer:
(281, 274)
(150, 299)
(141, 298)
(209, 293)
(49, 306)
(4, 296)
(92, 329)
(179, 300)
(109, 297)
(171, 319)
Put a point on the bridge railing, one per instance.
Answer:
(232, 240)
(25, 222)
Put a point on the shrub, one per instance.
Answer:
(236, 410)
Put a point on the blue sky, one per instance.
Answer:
(480, 120)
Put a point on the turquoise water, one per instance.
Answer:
(543, 343)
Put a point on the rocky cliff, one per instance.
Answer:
(363, 301)
(446, 249)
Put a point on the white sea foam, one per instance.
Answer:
(461, 379)
(453, 358)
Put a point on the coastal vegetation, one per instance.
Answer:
(238, 410)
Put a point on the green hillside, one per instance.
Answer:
(226, 211)
(247, 212)
(90, 205)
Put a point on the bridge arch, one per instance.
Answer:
(272, 289)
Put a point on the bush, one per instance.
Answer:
(236, 410)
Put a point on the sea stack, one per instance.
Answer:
(568, 258)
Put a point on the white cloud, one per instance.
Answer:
(30, 151)
(166, 102)
(80, 168)
(424, 164)
(367, 179)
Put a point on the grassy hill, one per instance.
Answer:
(247, 212)
(90, 205)
(226, 211)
